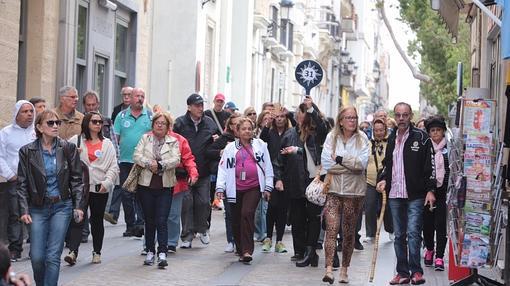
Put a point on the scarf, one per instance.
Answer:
(439, 160)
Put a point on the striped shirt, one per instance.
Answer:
(398, 179)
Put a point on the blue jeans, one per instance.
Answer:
(48, 231)
(407, 224)
(133, 214)
(260, 220)
(174, 219)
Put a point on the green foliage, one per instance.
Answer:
(439, 55)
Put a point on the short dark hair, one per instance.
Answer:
(85, 130)
(42, 116)
(5, 260)
(36, 100)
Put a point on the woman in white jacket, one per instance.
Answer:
(98, 153)
(244, 173)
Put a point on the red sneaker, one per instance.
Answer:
(417, 279)
(428, 257)
(398, 280)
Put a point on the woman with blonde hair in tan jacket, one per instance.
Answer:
(345, 158)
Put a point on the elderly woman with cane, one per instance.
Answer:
(345, 157)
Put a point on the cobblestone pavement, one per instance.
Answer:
(209, 265)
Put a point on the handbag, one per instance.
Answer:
(317, 189)
(131, 182)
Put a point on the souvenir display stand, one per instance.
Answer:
(475, 213)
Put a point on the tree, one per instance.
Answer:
(439, 54)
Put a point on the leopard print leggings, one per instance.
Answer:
(337, 207)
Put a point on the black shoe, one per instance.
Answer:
(358, 245)
(127, 233)
(336, 261)
(138, 231)
(172, 249)
(296, 257)
(318, 245)
(311, 258)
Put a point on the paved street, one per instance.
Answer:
(122, 264)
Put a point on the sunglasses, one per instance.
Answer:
(53, 123)
(253, 113)
(96, 121)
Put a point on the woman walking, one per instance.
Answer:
(50, 186)
(158, 154)
(98, 154)
(214, 152)
(373, 199)
(345, 158)
(434, 220)
(278, 205)
(298, 163)
(244, 173)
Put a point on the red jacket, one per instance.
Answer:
(187, 161)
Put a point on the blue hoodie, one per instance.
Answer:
(12, 138)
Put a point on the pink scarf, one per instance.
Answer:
(439, 160)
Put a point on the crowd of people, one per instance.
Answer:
(65, 171)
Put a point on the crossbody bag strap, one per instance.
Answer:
(253, 157)
(216, 120)
(375, 156)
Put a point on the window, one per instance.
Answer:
(81, 50)
(101, 81)
(286, 33)
(22, 51)
(272, 32)
(121, 59)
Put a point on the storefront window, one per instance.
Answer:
(81, 42)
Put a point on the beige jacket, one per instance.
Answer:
(371, 169)
(170, 158)
(70, 125)
(349, 177)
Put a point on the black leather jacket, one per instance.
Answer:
(32, 178)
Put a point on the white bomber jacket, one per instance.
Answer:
(226, 180)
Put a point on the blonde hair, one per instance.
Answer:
(338, 130)
(166, 116)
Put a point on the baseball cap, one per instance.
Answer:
(194, 99)
(231, 105)
(219, 96)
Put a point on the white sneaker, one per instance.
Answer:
(186, 244)
(392, 236)
(204, 238)
(149, 259)
(229, 248)
(162, 263)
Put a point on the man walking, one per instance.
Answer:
(129, 127)
(200, 131)
(217, 113)
(125, 92)
(12, 138)
(71, 118)
(409, 180)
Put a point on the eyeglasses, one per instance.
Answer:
(403, 115)
(53, 123)
(72, 97)
(160, 123)
(351, 118)
(97, 122)
(125, 94)
(280, 116)
(252, 113)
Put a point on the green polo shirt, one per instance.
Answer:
(130, 130)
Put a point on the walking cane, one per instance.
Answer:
(376, 242)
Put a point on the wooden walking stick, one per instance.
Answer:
(376, 242)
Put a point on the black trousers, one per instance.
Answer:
(306, 224)
(97, 205)
(277, 214)
(434, 222)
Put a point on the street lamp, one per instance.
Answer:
(285, 6)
